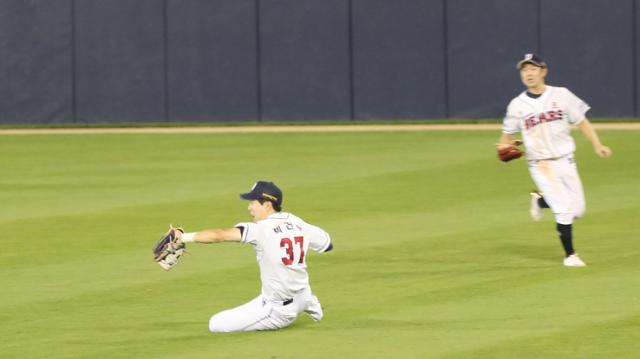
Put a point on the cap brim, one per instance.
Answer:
(249, 196)
(522, 62)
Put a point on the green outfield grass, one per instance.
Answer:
(435, 255)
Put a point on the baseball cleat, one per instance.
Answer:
(574, 261)
(535, 211)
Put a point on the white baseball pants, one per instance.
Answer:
(560, 184)
(264, 314)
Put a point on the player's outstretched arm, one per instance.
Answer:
(211, 236)
(590, 133)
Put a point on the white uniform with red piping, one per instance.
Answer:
(281, 242)
(545, 123)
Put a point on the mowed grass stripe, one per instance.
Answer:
(594, 339)
(423, 312)
(435, 254)
(398, 281)
(102, 171)
(117, 245)
(114, 237)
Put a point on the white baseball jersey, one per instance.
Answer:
(545, 122)
(281, 242)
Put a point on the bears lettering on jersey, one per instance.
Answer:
(549, 116)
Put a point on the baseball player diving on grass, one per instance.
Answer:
(544, 115)
(281, 242)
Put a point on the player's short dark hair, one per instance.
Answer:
(276, 206)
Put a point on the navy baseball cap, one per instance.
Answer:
(531, 59)
(264, 190)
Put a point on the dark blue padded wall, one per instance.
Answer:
(636, 59)
(590, 49)
(212, 67)
(398, 59)
(90, 61)
(120, 61)
(485, 40)
(304, 57)
(35, 62)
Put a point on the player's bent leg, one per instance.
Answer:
(578, 203)
(238, 318)
(548, 182)
(223, 322)
(275, 318)
(573, 188)
(255, 315)
(535, 210)
(314, 309)
(559, 200)
(565, 218)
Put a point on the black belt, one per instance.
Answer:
(283, 303)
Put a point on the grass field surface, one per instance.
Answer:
(435, 254)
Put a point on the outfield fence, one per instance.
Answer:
(92, 61)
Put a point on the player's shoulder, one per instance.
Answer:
(278, 216)
(282, 216)
(563, 94)
(558, 90)
(293, 218)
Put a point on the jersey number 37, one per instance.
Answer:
(289, 247)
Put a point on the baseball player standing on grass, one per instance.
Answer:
(281, 242)
(544, 115)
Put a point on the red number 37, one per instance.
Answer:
(288, 246)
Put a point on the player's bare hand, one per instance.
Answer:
(603, 151)
(502, 145)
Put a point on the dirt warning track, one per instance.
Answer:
(293, 128)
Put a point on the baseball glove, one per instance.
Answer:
(510, 152)
(168, 251)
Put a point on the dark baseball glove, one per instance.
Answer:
(168, 250)
(510, 152)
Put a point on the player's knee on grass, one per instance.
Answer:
(216, 325)
(315, 310)
(315, 315)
